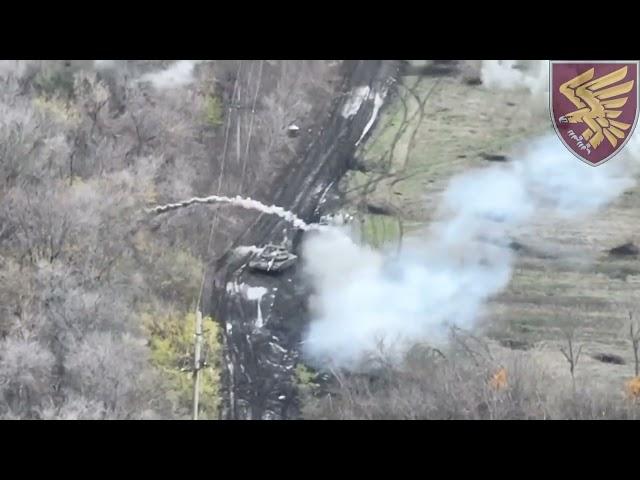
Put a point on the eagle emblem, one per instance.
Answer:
(594, 107)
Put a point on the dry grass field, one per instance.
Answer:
(564, 280)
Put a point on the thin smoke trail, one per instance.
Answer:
(243, 202)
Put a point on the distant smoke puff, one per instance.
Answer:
(15, 67)
(509, 74)
(104, 64)
(364, 296)
(177, 75)
(531, 75)
(501, 74)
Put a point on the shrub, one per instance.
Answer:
(632, 388)
(172, 347)
(459, 386)
(213, 111)
(54, 83)
(380, 231)
(59, 109)
(175, 274)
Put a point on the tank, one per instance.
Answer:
(272, 258)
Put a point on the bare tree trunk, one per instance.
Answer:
(572, 356)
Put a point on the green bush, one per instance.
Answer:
(213, 111)
(306, 383)
(54, 83)
(380, 231)
(171, 339)
(175, 275)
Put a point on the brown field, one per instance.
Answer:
(436, 127)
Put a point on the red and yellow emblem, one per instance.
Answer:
(594, 107)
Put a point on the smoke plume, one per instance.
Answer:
(445, 276)
(512, 74)
(242, 202)
(104, 64)
(177, 75)
(528, 75)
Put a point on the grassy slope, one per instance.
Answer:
(435, 128)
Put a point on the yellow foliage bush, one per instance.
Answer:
(213, 111)
(305, 377)
(171, 339)
(59, 109)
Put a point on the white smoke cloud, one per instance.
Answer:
(446, 276)
(104, 64)
(12, 67)
(512, 74)
(177, 75)
(531, 75)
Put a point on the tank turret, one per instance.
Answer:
(272, 258)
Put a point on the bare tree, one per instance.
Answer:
(26, 370)
(570, 353)
(634, 335)
(83, 153)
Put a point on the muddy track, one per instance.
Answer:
(260, 356)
